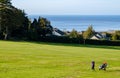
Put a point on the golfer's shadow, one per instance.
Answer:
(117, 70)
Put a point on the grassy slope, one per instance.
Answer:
(50, 60)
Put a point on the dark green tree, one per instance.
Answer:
(3, 4)
(32, 30)
(15, 24)
(7, 2)
(11, 18)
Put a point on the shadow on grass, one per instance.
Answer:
(117, 70)
(72, 45)
(78, 45)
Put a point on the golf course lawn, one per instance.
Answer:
(57, 60)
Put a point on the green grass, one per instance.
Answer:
(52, 60)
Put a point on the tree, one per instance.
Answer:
(6, 21)
(39, 28)
(21, 32)
(44, 27)
(7, 2)
(116, 35)
(88, 33)
(73, 34)
(32, 30)
(11, 18)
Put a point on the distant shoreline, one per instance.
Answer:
(66, 15)
(100, 23)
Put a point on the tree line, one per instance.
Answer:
(14, 24)
(91, 32)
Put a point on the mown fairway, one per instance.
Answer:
(50, 60)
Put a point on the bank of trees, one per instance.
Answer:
(11, 18)
(14, 24)
(115, 35)
(40, 27)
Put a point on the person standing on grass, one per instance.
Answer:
(93, 65)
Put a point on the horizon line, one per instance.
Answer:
(75, 14)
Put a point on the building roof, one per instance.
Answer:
(58, 32)
(97, 36)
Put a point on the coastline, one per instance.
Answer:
(100, 23)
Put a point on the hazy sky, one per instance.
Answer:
(71, 7)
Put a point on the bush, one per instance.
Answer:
(66, 39)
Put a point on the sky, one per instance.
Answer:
(69, 7)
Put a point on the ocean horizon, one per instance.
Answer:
(82, 22)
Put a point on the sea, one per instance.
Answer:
(100, 23)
